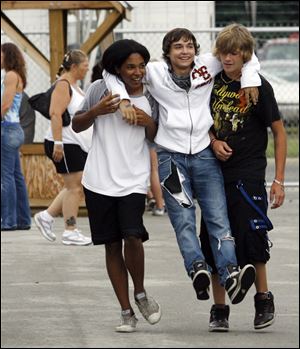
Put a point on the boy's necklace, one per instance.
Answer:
(228, 81)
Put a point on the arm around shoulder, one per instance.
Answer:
(115, 85)
(250, 70)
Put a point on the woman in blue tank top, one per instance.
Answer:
(15, 209)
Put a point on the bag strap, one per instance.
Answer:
(253, 205)
(70, 89)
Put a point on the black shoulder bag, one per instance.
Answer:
(41, 103)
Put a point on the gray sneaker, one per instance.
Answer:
(74, 237)
(149, 308)
(45, 227)
(128, 324)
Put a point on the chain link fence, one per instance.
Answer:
(38, 81)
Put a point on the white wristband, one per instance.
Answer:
(278, 182)
(58, 143)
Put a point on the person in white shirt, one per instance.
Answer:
(67, 150)
(188, 169)
(116, 175)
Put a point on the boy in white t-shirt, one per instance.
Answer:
(116, 175)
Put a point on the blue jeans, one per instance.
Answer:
(15, 209)
(184, 177)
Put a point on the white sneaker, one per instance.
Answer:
(158, 211)
(45, 227)
(74, 237)
(128, 324)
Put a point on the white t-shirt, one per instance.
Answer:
(83, 139)
(118, 162)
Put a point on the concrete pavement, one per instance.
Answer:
(291, 171)
(54, 296)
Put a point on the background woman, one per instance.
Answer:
(15, 210)
(67, 150)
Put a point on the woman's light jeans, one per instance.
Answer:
(15, 209)
(199, 177)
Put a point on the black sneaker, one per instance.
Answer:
(201, 280)
(218, 321)
(239, 282)
(264, 311)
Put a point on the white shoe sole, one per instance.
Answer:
(125, 329)
(218, 329)
(76, 243)
(267, 324)
(155, 318)
(40, 227)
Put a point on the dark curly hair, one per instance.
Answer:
(13, 60)
(117, 53)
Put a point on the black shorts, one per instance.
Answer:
(252, 246)
(115, 218)
(74, 157)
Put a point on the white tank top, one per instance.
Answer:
(83, 139)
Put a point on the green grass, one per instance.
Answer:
(292, 134)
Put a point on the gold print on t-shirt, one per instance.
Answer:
(229, 109)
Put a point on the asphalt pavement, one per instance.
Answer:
(56, 296)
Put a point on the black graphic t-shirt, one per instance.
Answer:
(243, 127)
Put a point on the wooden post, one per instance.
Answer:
(102, 31)
(58, 32)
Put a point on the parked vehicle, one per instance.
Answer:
(278, 49)
(283, 75)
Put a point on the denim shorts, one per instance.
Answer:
(252, 245)
(115, 218)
